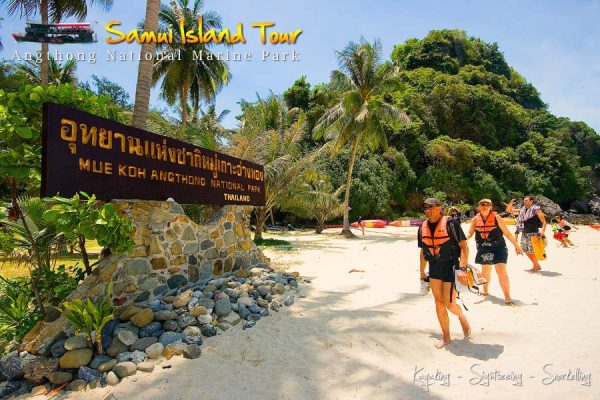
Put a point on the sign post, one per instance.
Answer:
(83, 152)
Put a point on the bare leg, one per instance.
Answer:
(456, 310)
(486, 270)
(437, 288)
(504, 281)
(534, 260)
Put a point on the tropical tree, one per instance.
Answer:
(56, 10)
(144, 77)
(57, 74)
(269, 135)
(358, 117)
(189, 72)
(211, 123)
(316, 198)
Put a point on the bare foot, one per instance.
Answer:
(534, 269)
(510, 303)
(465, 327)
(442, 343)
(483, 293)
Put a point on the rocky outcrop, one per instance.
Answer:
(170, 252)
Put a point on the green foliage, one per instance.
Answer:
(82, 218)
(56, 283)
(17, 313)
(277, 243)
(316, 198)
(88, 317)
(105, 87)
(21, 127)
(298, 95)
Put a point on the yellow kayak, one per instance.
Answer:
(538, 247)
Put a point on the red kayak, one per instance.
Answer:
(371, 223)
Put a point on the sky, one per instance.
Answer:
(553, 44)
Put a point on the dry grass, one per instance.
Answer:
(10, 269)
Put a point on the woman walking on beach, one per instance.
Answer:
(443, 245)
(532, 218)
(489, 229)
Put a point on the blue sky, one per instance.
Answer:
(553, 44)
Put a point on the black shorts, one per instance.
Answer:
(443, 271)
(491, 255)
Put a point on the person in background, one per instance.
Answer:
(534, 224)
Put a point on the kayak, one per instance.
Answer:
(371, 223)
(597, 227)
(404, 222)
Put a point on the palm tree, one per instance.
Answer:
(357, 118)
(57, 73)
(57, 10)
(211, 124)
(184, 75)
(273, 143)
(144, 78)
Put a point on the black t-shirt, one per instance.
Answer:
(450, 251)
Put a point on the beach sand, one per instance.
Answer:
(363, 335)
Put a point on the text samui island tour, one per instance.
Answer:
(299, 200)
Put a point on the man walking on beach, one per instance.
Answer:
(444, 246)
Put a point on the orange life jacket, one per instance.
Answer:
(439, 237)
(485, 227)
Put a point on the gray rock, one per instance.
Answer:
(208, 330)
(99, 360)
(137, 267)
(243, 312)
(262, 302)
(146, 366)
(248, 325)
(263, 290)
(125, 356)
(137, 356)
(192, 331)
(232, 319)
(223, 307)
(289, 301)
(165, 315)
(155, 351)
(58, 349)
(170, 325)
(176, 281)
(245, 301)
(186, 320)
(253, 317)
(60, 377)
(112, 379)
(6, 388)
(160, 290)
(76, 342)
(264, 312)
(88, 374)
(206, 303)
(143, 343)
(193, 340)
(10, 366)
(124, 369)
(107, 366)
(150, 329)
(192, 351)
(116, 347)
(77, 385)
(126, 337)
(254, 308)
(170, 337)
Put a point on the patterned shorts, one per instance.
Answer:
(526, 242)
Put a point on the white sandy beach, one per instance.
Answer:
(361, 335)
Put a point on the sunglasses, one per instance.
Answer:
(425, 208)
(485, 204)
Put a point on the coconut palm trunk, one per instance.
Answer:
(144, 78)
(44, 68)
(346, 228)
(261, 218)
